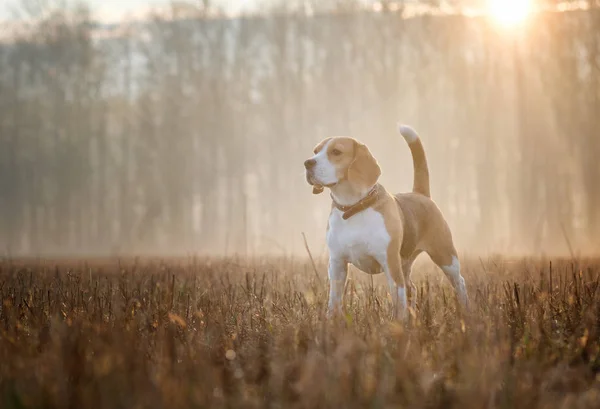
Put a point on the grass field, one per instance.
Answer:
(237, 333)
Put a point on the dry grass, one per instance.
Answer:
(249, 334)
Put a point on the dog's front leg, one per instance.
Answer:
(338, 272)
(393, 272)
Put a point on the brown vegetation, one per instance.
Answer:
(249, 334)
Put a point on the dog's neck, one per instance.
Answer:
(346, 194)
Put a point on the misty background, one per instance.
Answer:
(186, 132)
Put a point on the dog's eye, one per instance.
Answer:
(336, 152)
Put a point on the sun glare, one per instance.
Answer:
(509, 12)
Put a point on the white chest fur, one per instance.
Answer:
(361, 240)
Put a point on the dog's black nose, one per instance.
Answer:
(310, 163)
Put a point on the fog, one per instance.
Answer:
(187, 134)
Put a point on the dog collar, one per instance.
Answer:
(363, 204)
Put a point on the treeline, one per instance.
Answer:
(187, 133)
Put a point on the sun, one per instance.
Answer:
(509, 12)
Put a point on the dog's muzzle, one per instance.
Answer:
(317, 187)
(309, 164)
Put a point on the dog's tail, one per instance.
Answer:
(421, 170)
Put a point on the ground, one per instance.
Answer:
(238, 333)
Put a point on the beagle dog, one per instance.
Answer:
(377, 231)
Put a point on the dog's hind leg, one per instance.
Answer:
(450, 265)
(411, 288)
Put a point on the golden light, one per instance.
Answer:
(509, 12)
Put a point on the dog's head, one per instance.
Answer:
(338, 160)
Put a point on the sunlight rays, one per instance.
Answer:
(509, 13)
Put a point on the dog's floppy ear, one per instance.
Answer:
(364, 169)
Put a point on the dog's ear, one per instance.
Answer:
(364, 169)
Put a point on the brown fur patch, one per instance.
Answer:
(320, 145)
(426, 227)
(364, 171)
(393, 224)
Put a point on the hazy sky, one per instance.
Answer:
(120, 8)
